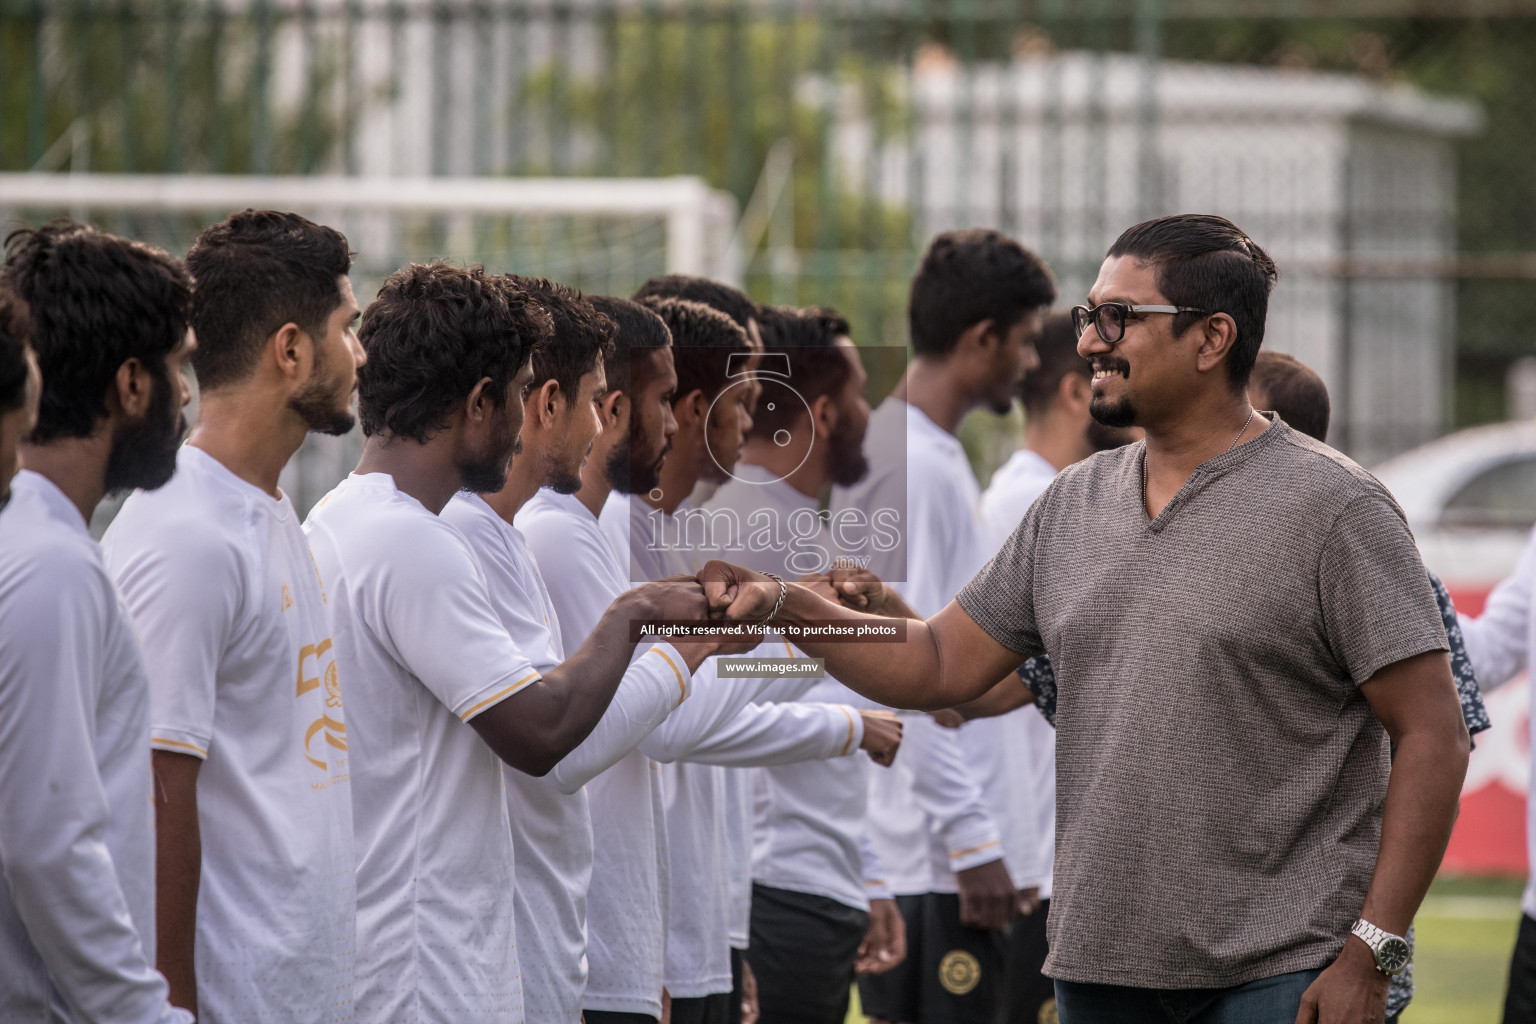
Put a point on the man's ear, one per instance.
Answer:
(293, 352)
(824, 414)
(980, 335)
(691, 408)
(477, 406)
(548, 402)
(1217, 336)
(1075, 390)
(132, 389)
(613, 409)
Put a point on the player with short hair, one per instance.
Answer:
(256, 900)
(717, 295)
(976, 303)
(1292, 390)
(1283, 384)
(441, 402)
(77, 927)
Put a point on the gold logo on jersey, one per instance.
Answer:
(332, 686)
(287, 597)
(335, 732)
(959, 972)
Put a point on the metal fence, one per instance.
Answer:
(1382, 158)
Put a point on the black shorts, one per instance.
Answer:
(802, 953)
(1520, 997)
(952, 974)
(616, 1017)
(1028, 996)
(711, 1009)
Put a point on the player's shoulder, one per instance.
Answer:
(471, 516)
(203, 505)
(563, 536)
(42, 558)
(481, 527)
(549, 517)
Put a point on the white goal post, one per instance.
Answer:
(602, 235)
(699, 220)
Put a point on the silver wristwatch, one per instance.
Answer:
(1391, 951)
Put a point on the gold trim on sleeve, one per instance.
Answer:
(682, 684)
(493, 698)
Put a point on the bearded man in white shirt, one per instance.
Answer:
(256, 903)
(976, 303)
(628, 899)
(441, 403)
(111, 336)
(551, 821)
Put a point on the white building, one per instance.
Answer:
(1333, 174)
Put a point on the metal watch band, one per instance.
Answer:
(1377, 939)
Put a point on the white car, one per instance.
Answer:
(1470, 499)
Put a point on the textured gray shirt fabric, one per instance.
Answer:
(1220, 777)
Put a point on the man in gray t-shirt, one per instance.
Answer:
(1239, 623)
(1217, 760)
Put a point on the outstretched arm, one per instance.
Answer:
(1497, 640)
(943, 661)
(537, 727)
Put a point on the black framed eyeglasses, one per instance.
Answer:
(1108, 318)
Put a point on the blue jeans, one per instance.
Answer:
(1266, 1001)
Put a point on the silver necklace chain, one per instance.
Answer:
(1251, 413)
(1246, 423)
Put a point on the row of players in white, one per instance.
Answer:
(479, 893)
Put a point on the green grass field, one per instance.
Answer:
(1466, 930)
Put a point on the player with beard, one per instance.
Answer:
(256, 894)
(626, 906)
(441, 403)
(20, 387)
(709, 433)
(819, 910)
(77, 928)
(707, 810)
(976, 304)
(550, 816)
(734, 303)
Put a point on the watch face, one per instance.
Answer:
(1393, 955)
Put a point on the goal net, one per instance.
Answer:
(602, 235)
